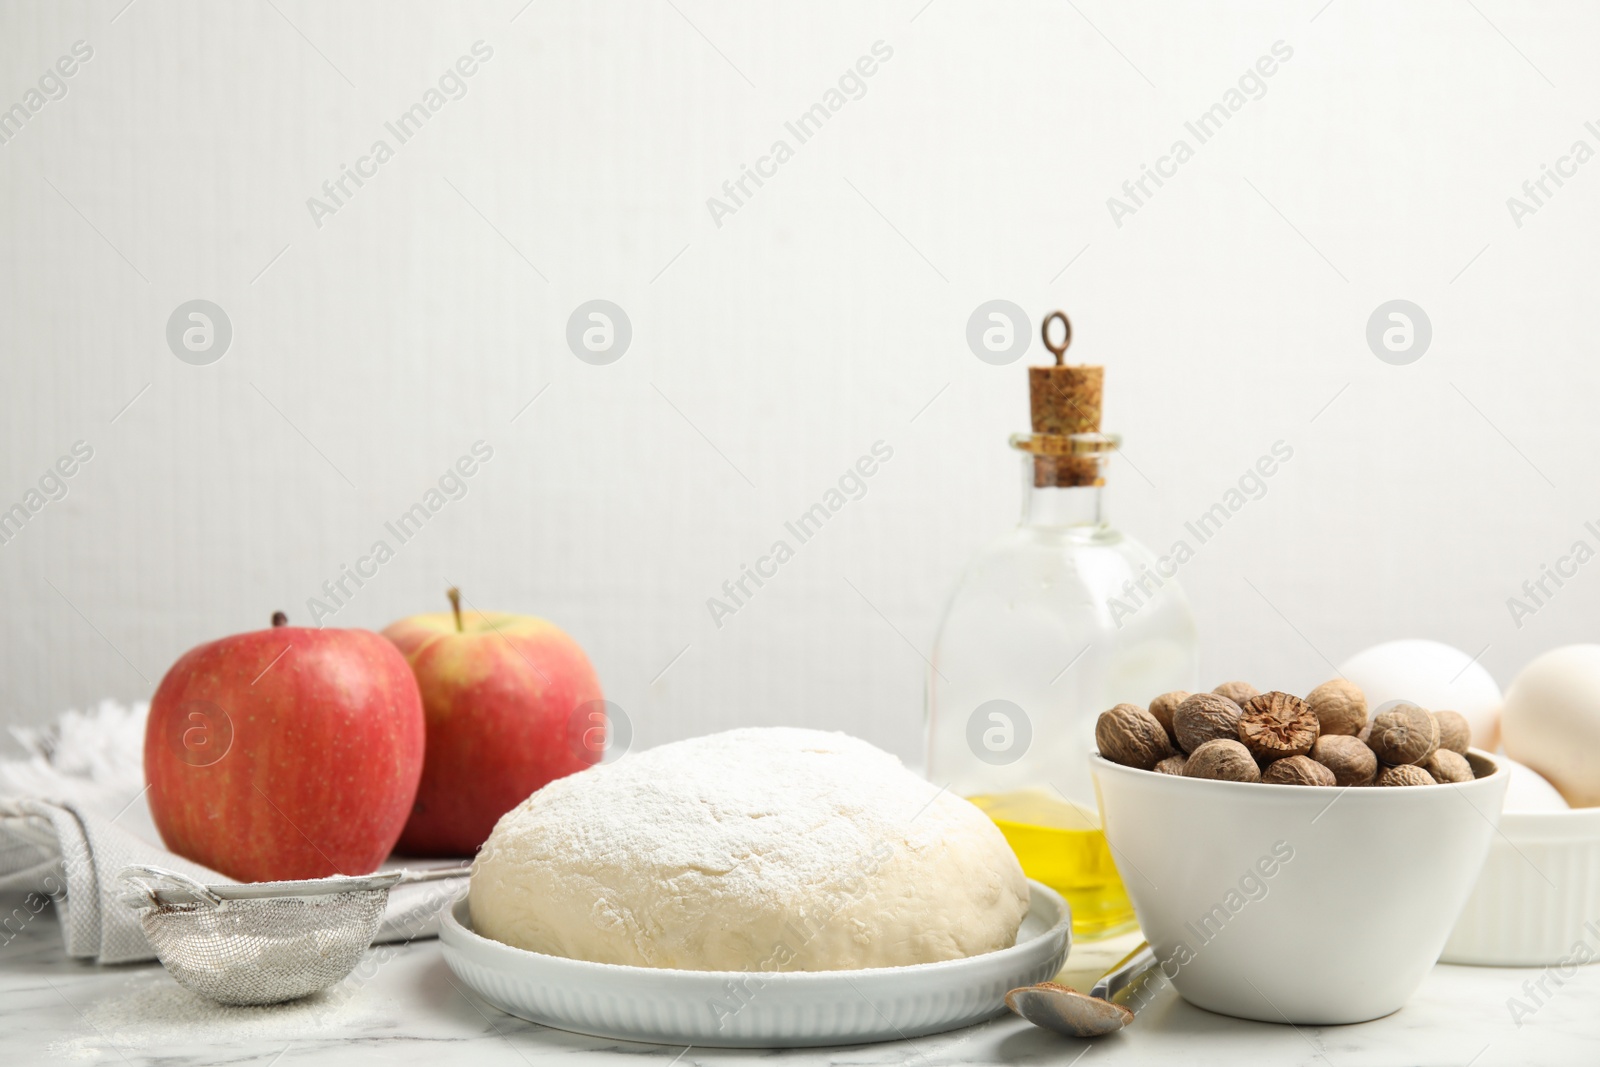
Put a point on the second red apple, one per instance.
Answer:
(499, 693)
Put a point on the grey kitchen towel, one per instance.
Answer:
(74, 818)
(79, 873)
(73, 856)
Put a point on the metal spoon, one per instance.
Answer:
(1067, 1011)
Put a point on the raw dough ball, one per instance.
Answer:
(771, 849)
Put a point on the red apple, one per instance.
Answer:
(500, 693)
(285, 753)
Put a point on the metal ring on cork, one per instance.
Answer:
(1066, 335)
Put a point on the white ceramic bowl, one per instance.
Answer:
(1299, 904)
(757, 1010)
(1538, 898)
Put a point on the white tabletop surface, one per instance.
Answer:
(412, 1010)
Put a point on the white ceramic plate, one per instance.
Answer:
(757, 1010)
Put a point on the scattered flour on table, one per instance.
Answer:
(151, 1011)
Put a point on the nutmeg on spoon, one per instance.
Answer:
(1061, 1008)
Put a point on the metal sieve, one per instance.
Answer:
(262, 942)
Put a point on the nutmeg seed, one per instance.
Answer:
(1172, 765)
(1455, 733)
(1404, 734)
(1205, 717)
(1350, 760)
(1236, 733)
(1340, 707)
(1405, 774)
(1447, 765)
(1164, 705)
(1277, 725)
(1130, 735)
(1223, 759)
(1297, 770)
(1238, 692)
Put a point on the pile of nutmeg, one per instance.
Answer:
(1236, 733)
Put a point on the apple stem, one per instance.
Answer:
(279, 619)
(455, 605)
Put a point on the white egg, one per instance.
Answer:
(1433, 675)
(1528, 790)
(1552, 721)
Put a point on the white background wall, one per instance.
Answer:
(770, 352)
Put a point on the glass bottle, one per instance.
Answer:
(1051, 624)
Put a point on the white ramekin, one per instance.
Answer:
(1296, 904)
(1537, 901)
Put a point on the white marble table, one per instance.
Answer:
(411, 1010)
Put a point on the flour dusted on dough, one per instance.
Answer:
(760, 849)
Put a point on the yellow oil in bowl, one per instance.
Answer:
(1061, 844)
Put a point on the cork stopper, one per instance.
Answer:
(1065, 400)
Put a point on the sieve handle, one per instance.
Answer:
(141, 875)
(434, 874)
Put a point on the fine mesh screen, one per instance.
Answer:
(264, 951)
